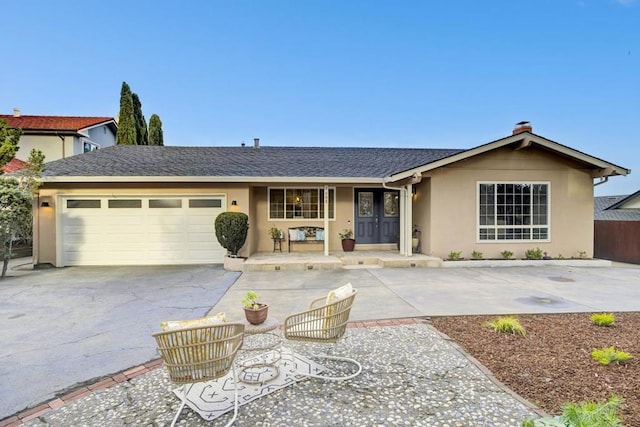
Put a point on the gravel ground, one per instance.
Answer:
(553, 364)
(411, 377)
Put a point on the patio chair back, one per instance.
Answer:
(324, 323)
(201, 353)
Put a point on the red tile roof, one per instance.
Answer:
(59, 123)
(14, 165)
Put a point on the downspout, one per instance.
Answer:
(62, 139)
(326, 220)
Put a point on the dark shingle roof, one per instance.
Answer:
(602, 212)
(333, 162)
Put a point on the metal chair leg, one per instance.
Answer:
(327, 377)
(182, 405)
(235, 388)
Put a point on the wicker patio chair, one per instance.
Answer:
(199, 354)
(323, 323)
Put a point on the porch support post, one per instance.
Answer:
(408, 219)
(326, 220)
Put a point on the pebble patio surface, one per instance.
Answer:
(411, 376)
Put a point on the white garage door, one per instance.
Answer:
(129, 230)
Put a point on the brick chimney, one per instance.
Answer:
(16, 112)
(522, 127)
(256, 142)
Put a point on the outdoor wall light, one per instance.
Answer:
(45, 202)
(234, 206)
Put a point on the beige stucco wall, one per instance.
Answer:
(344, 219)
(446, 210)
(45, 217)
(51, 146)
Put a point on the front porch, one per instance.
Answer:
(266, 261)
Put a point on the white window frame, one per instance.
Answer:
(496, 226)
(320, 204)
(92, 144)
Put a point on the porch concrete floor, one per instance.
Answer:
(316, 260)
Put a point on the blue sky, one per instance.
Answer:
(340, 73)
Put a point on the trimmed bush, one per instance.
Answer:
(231, 231)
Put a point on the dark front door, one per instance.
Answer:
(377, 216)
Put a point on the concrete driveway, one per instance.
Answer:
(62, 327)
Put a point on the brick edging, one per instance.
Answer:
(124, 376)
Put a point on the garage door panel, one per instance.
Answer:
(140, 236)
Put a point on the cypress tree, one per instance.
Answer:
(142, 138)
(155, 130)
(126, 122)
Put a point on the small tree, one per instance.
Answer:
(15, 217)
(126, 122)
(155, 130)
(231, 231)
(16, 202)
(8, 142)
(142, 137)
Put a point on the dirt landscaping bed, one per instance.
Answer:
(552, 365)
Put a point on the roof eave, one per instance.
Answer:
(219, 179)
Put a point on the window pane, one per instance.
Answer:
(165, 203)
(205, 203)
(121, 204)
(276, 203)
(83, 204)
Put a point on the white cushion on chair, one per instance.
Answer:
(173, 325)
(340, 293)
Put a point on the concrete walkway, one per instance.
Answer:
(63, 327)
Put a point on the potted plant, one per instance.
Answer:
(255, 312)
(348, 242)
(231, 231)
(276, 233)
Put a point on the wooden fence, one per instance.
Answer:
(617, 241)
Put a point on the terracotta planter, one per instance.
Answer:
(256, 317)
(348, 245)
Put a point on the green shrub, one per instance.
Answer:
(507, 324)
(604, 356)
(592, 414)
(582, 254)
(533, 253)
(585, 414)
(559, 256)
(231, 230)
(455, 256)
(476, 255)
(506, 254)
(603, 319)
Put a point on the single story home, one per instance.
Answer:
(156, 205)
(617, 228)
(59, 137)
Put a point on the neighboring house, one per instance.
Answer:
(14, 165)
(156, 205)
(59, 137)
(617, 228)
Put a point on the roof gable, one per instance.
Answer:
(520, 141)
